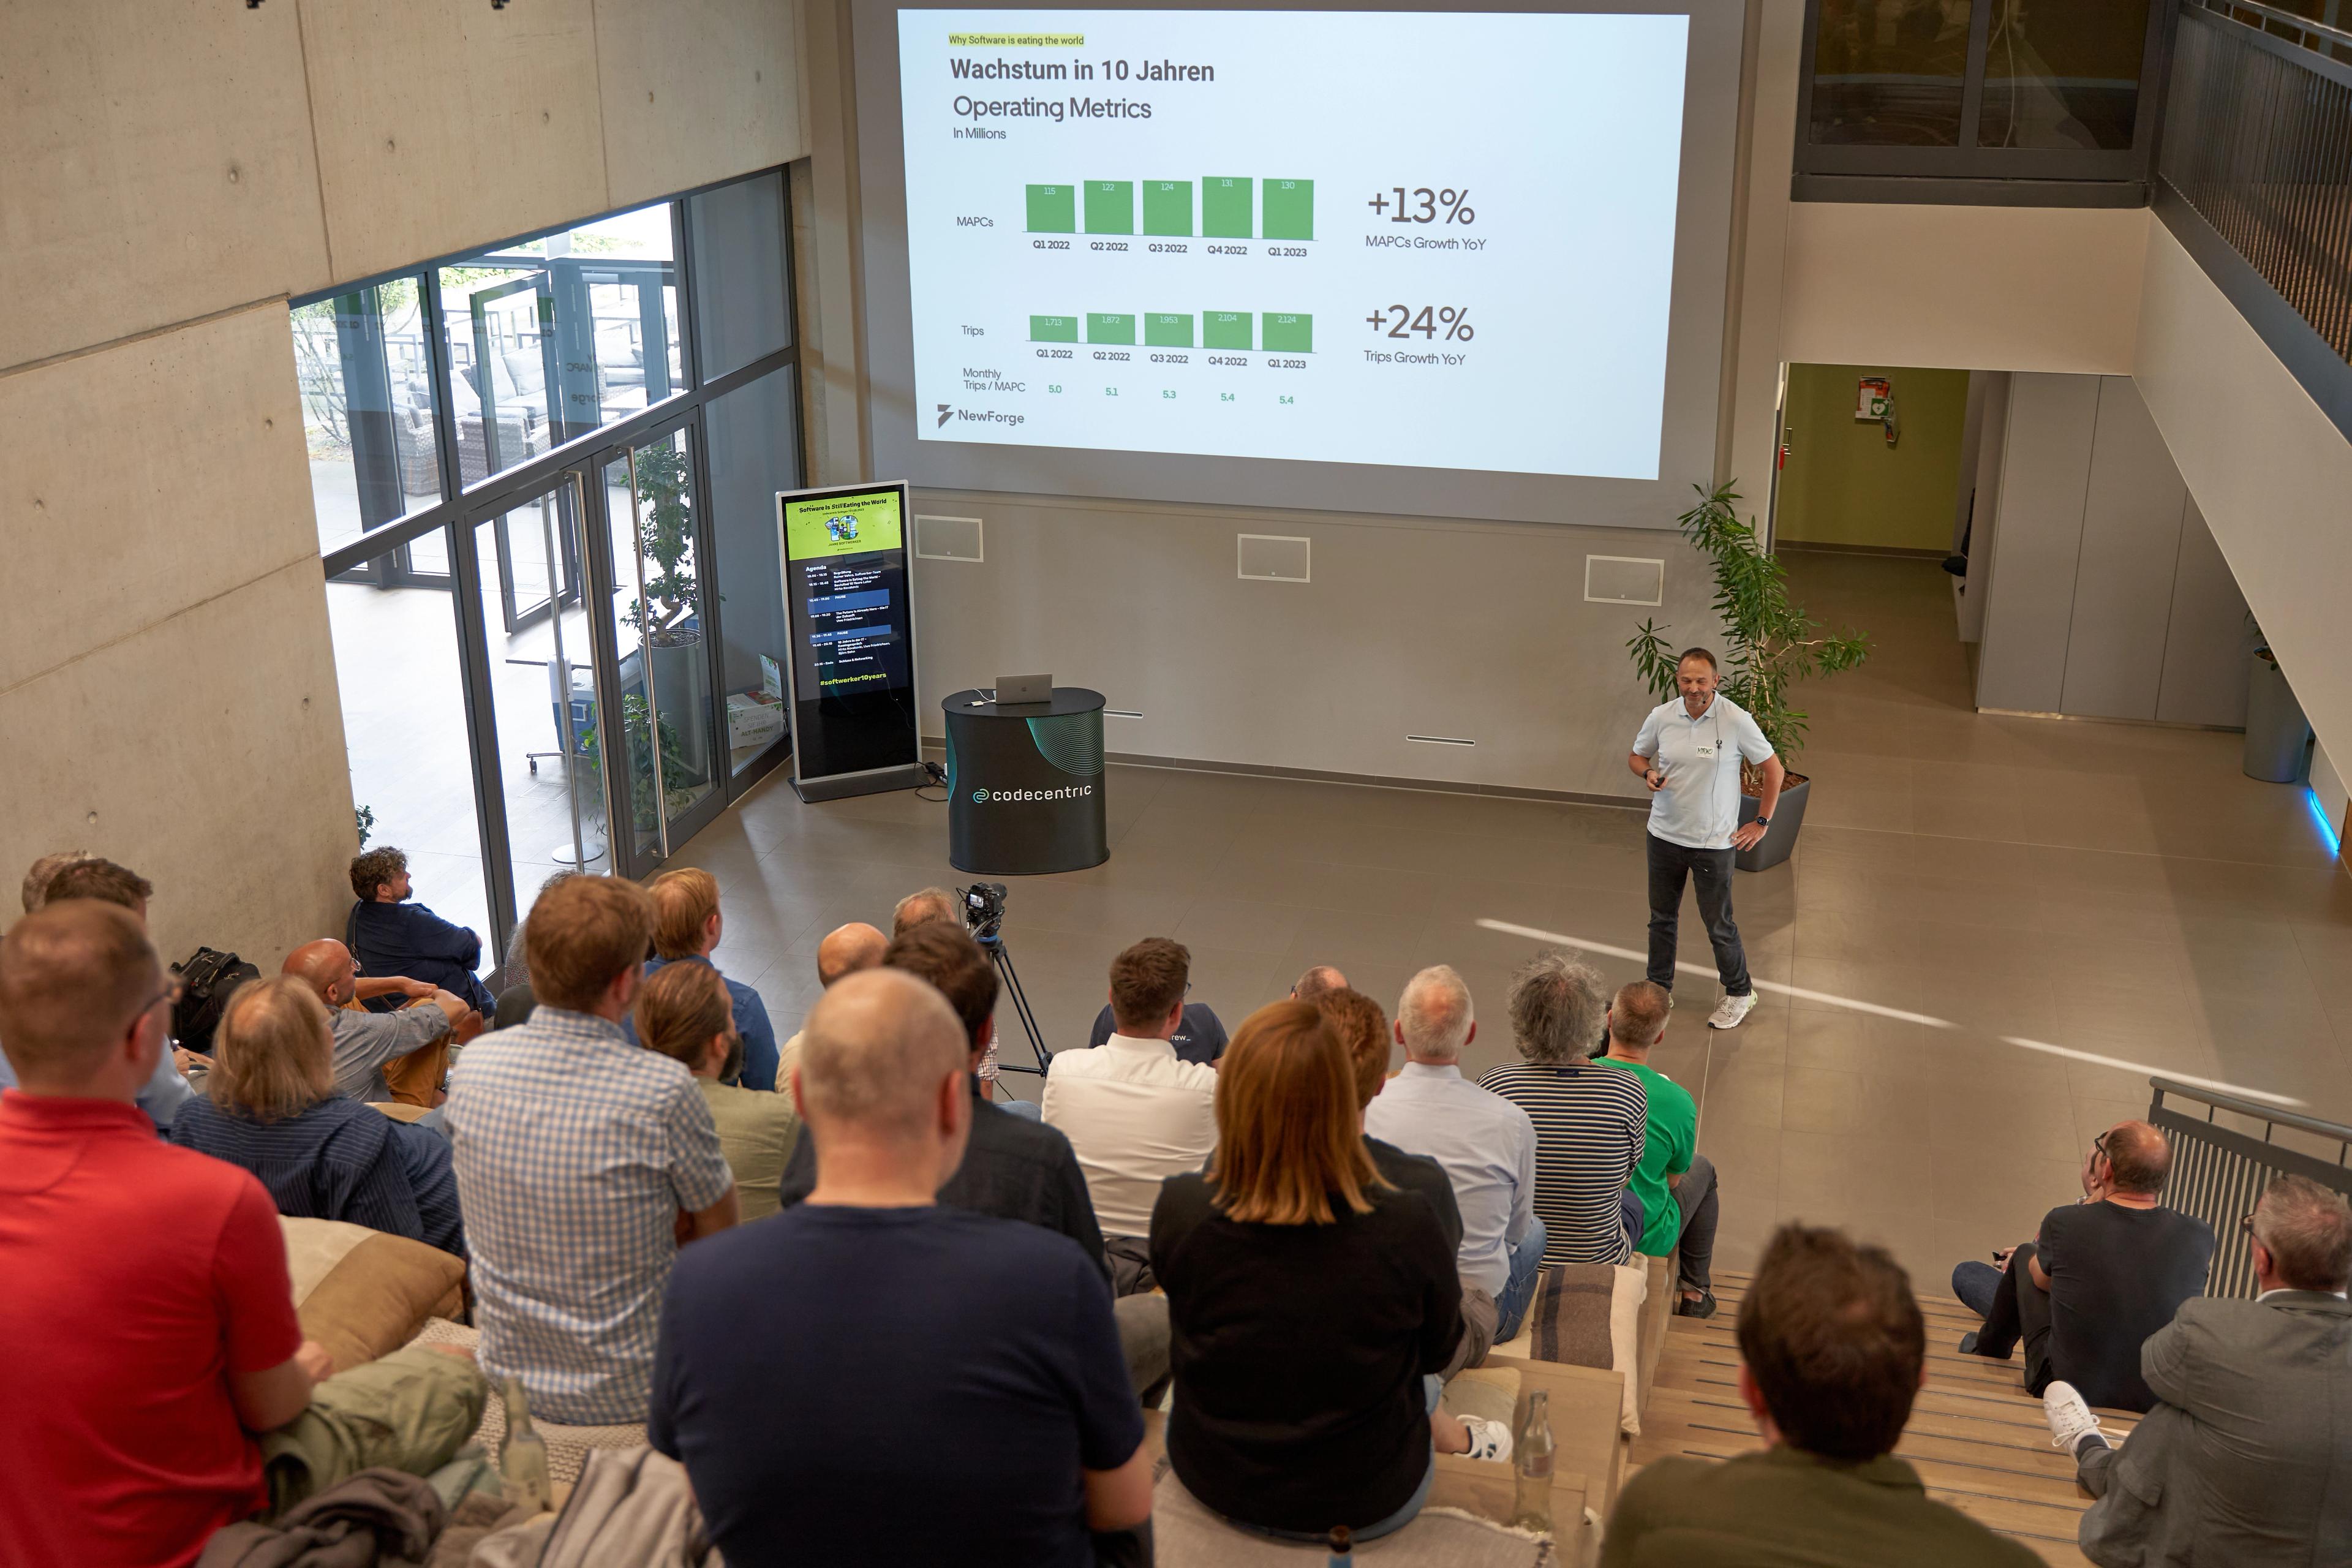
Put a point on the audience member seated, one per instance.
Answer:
(921, 908)
(1134, 1112)
(874, 1376)
(1832, 1351)
(1013, 1168)
(1486, 1145)
(1591, 1122)
(2244, 1459)
(1356, 1022)
(515, 1000)
(365, 1041)
(2101, 1277)
(1675, 1181)
(686, 1012)
(1198, 1035)
(1311, 1304)
(167, 1089)
(270, 1106)
(92, 877)
(389, 935)
(686, 926)
(846, 949)
(583, 1162)
(1318, 979)
(158, 1385)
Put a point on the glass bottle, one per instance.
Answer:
(522, 1457)
(1342, 1553)
(1531, 1452)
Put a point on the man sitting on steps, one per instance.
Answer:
(2102, 1276)
(2244, 1461)
(1832, 1355)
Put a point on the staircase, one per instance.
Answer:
(1976, 1437)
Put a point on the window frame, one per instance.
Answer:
(1968, 175)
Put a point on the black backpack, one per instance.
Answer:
(206, 981)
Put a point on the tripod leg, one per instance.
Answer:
(1020, 1004)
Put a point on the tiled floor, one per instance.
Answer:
(2115, 892)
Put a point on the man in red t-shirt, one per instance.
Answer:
(148, 1307)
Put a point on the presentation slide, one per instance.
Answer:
(853, 645)
(1438, 240)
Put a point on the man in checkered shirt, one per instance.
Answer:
(577, 1154)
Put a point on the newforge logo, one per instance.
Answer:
(1003, 796)
(978, 416)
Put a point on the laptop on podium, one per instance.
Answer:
(1016, 689)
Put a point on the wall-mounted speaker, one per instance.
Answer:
(1272, 557)
(947, 538)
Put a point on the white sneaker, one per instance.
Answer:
(2070, 1418)
(1489, 1439)
(1728, 1012)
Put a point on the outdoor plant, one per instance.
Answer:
(677, 773)
(666, 521)
(1770, 644)
(364, 818)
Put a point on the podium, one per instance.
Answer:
(1025, 784)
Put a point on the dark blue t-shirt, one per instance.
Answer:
(1199, 1038)
(849, 1386)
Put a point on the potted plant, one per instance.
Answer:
(667, 621)
(1770, 645)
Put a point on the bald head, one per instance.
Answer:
(1433, 1017)
(326, 966)
(75, 977)
(928, 904)
(1317, 980)
(873, 1054)
(2139, 1158)
(847, 949)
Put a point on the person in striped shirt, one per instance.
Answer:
(1591, 1122)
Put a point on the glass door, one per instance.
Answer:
(541, 730)
(672, 769)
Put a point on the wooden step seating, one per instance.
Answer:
(1976, 1437)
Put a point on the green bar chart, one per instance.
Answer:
(1167, 208)
(1226, 205)
(1053, 209)
(1102, 328)
(1290, 209)
(1289, 334)
(1052, 329)
(1228, 330)
(1165, 330)
(1111, 207)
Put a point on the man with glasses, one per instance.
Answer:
(365, 1041)
(1135, 1111)
(2100, 1276)
(2243, 1459)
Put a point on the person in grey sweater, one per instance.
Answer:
(2244, 1460)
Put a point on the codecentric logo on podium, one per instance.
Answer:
(1012, 796)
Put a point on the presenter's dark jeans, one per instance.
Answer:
(1710, 869)
(2014, 1309)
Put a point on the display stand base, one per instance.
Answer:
(878, 781)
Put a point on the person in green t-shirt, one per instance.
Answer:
(1675, 1181)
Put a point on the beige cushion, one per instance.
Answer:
(1577, 1342)
(1186, 1535)
(362, 1293)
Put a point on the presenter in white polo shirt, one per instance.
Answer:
(1689, 752)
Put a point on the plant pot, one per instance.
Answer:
(2278, 737)
(1779, 840)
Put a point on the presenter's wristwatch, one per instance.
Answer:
(1762, 821)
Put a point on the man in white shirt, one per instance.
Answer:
(1486, 1145)
(1134, 1112)
(1689, 753)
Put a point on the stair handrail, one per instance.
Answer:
(2218, 1171)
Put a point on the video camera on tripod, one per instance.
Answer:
(983, 916)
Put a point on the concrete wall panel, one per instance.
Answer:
(2208, 644)
(444, 123)
(695, 90)
(145, 478)
(1478, 631)
(132, 198)
(2046, 470)
(206, 754)
(2043, 289)
(2269, 472)
(2123, 587)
